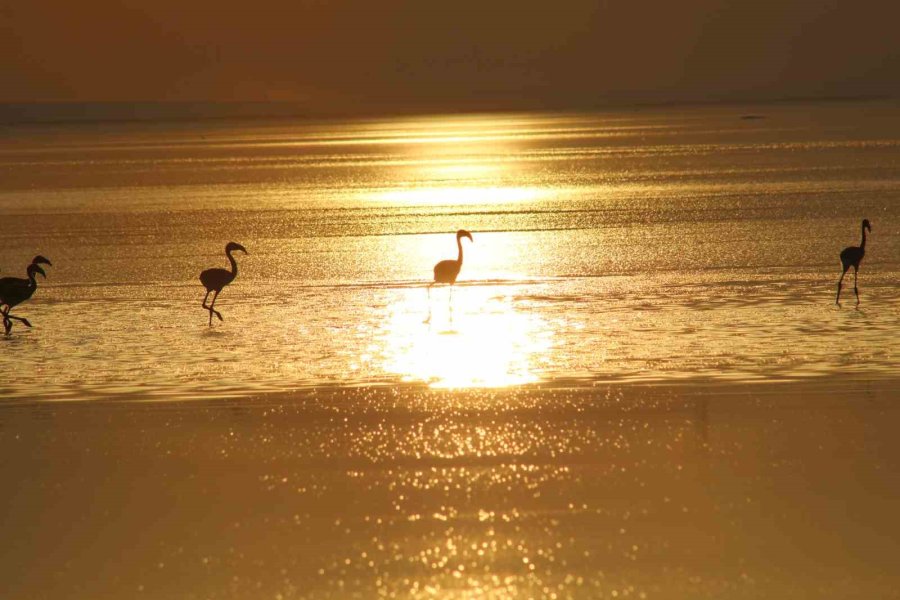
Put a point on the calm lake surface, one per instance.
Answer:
(644, 389)
(641, 245)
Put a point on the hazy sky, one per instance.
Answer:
(373, 55)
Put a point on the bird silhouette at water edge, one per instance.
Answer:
(447, 271)
(216, 279)
(15, 290)
(851, 257)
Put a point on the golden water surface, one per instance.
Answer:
(641, 387)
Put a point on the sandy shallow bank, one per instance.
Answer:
(625, 491)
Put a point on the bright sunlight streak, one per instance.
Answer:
(443, 196)
(479, 339)
(485, 342)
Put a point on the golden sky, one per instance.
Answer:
(376, 55)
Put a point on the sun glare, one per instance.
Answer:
(448, 196)
(457, 171)
(483, 342)
(479, 339)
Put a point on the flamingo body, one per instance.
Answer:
(447, 271)
(216, 279)
(851, 257)
(12, 286)
(14, 291)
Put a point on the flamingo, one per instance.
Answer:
(14, 291)
(11, 286)
(215, 279)
(7, 281)
(851, 257)
(447, 271)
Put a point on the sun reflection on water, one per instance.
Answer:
(456, 195)
(482, 341)
(479, 338)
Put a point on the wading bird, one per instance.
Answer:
(215, 279)
(851, 257)
(447, 271)
(37, 260)
(14, 291)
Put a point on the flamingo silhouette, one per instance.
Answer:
(13, 288)
(215, 279)
(14, 291)
(37, 260)
(851, 257)
(447, 271)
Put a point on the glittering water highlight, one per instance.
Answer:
(641, 389)
(643, 246)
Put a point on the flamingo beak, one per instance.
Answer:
(40, 260)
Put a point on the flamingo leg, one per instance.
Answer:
(23, 321)
(213, 310)
(855, 289)
(8, 319)
(206, 307)
(840, 282)
(428, 287)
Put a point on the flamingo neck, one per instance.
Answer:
(32, 281)
(233, 263)
(459, 258)
(862, 244)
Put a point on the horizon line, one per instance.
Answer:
(231, 109)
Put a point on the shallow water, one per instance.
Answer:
(621, 491)
(647, 245)
(638, 284)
